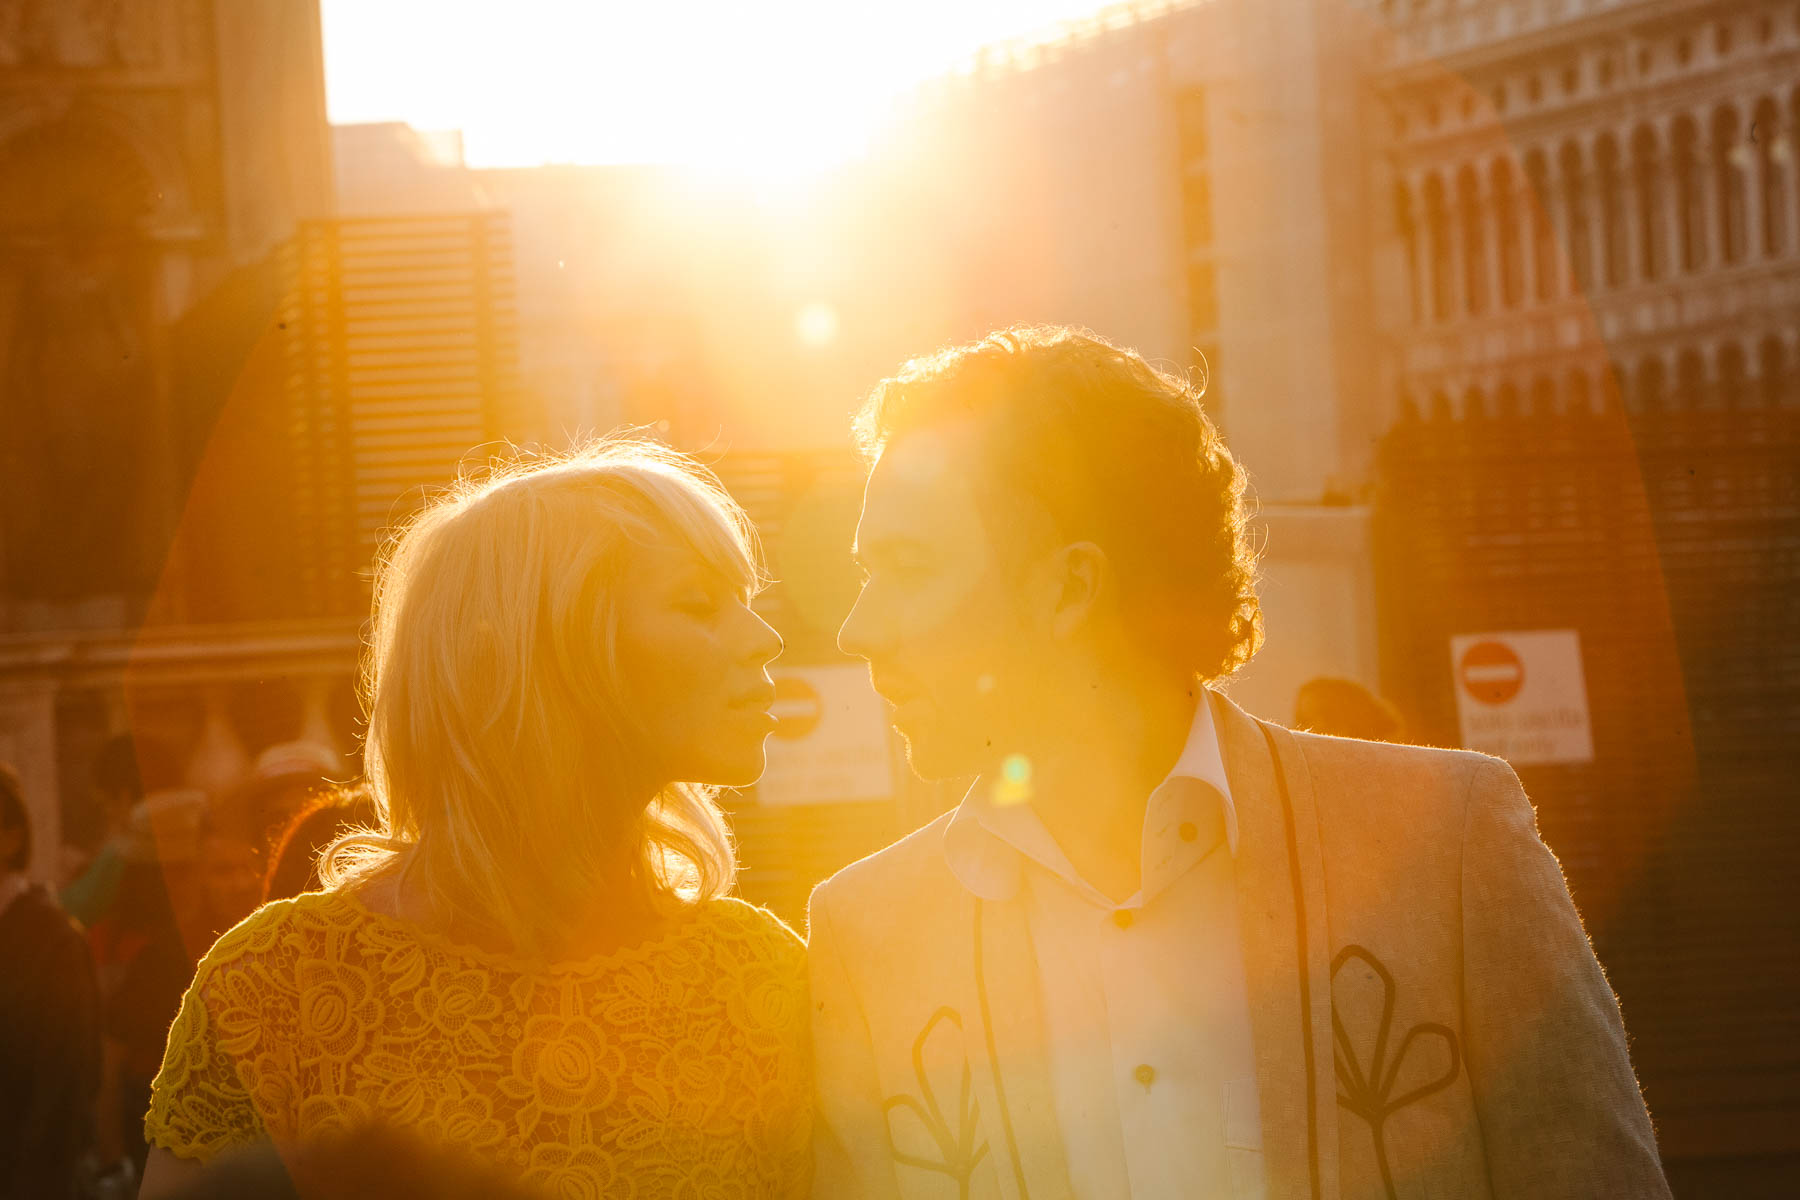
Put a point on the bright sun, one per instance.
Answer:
(775, 88)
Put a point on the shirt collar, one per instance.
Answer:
(987, 842)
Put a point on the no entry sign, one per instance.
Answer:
(830, 740)
(1491, 672)
(1522, 695)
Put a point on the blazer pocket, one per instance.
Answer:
(1244, 1142)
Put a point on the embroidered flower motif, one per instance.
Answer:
(575, 1173)
(1369, 1075)
(706, 1182)
(466, 1121)
(338, 1007)
(765, 1004)
(322, 1115)
(566, 1064)
(458, 1004)
(250, 1012)
(674, 1073)
(274, 1088)
(415, 1074)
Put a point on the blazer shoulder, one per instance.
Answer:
(1356, 754)
(896, 870)
(1409, 777)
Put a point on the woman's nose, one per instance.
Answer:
(767, 644)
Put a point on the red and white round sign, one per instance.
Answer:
(797, 708)
(1491, 672)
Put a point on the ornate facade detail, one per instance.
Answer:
(1566, 165)
(80, 33)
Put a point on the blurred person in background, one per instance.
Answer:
(1164, 949)
(294, 863)
(532, 954)
(127, 771)
(145, 965)
(371, 1162)
(49, 1023)
(1345, 708)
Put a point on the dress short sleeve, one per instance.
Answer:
(210, 1094)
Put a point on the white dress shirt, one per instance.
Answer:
(1145, 1002)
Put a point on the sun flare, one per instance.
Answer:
(770, 91)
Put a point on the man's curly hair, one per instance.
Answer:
(1116, 452)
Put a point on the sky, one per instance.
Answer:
(776, 84)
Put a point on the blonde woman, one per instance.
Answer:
(532, 954)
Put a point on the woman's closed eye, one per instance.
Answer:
(700, 604)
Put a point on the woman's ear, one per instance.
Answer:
(1081, 578)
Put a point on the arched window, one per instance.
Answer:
(1409, 237)
(1790, 141)
(1734, 387)
(1610, 182)
(1543, 236)
(1437, 234)
(1579, 227)
(1690, 198)
(1648, 394)
(1646, 179)
(1475, 403)
(1729, 170)
(1577, 393)
(1472, 219)
(1506, 215)
(1690, 380)
(1506, 399)
(1771, 367)
(1543, 396)
(1770, 183)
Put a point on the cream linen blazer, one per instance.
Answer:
(1429, 1018)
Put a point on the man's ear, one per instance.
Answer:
(1080, 577)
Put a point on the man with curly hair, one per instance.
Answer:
(1162, 948)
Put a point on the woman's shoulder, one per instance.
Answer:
(740, 922)
(282, 924)
(742, 935)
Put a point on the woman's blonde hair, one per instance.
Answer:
(505, 762)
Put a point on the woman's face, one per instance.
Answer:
(693, 656)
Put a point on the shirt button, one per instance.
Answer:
(1145, 1074)
(1189, 831)
(1122, 918)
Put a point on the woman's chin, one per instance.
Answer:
(739, 771)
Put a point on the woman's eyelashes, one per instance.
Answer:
(704, 605)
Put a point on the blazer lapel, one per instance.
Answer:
(1280, 874)
(1008, 1045)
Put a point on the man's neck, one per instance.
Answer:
(1094, 779)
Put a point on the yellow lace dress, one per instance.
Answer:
(676, 1068)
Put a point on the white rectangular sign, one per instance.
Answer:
(1522, 695)
(832, 741)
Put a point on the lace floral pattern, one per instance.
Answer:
(673, 1069)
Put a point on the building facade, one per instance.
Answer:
(149, 153)
(1589, 288)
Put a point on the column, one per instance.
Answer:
(1525, 217)
(1634, 267)
(1487, 203)
(1421, 249)
(219, 761)
(315, 724)
(1563, 284)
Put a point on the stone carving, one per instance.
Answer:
(80, 33)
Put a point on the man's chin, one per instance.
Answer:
(932, 761)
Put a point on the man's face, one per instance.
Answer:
(946, 628)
